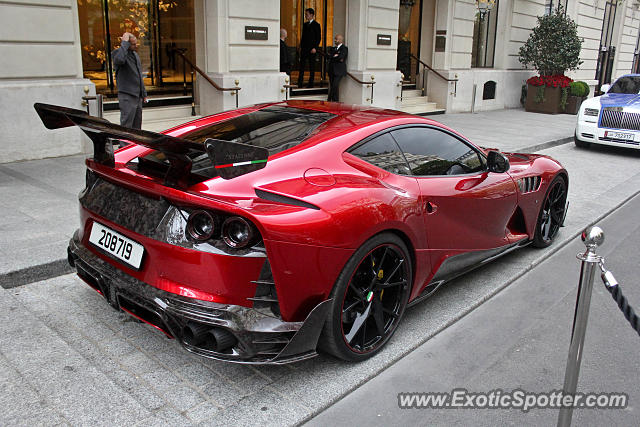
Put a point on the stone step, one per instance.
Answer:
(159, 118)
(423, 109)
(164, 124)
(322, 97)
(411, 93)
(418, 100)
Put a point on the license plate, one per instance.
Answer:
(116, 245)
(619, 135)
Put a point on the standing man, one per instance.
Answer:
(285, 58)
(131, 91)
(337, 66)
(309, 42)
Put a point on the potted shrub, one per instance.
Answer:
(547, 94)
(578, 92)
(553, 48)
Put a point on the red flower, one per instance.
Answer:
(550, 81)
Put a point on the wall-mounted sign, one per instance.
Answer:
(441, 42)
(384, 39)
(256, 33)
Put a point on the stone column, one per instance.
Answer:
(366, 19)
(225, 55)
(41, 62)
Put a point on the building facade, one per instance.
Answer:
(206, 56)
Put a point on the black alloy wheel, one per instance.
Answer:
(552, 212)
(369, 299)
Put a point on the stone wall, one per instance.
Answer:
(41, 62)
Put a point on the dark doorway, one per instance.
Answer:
(409, 26)
(292, 18)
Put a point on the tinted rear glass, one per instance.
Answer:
(628, 84)
(274, 128)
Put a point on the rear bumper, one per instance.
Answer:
(259, 337)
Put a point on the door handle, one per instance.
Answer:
(430, 207)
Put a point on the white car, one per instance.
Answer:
(613, 118)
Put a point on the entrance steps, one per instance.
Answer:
(157, 119)
(317, 93)
(414, 103)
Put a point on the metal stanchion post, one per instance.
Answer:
(592, 238)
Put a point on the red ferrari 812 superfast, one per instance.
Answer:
(263, 234)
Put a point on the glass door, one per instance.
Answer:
(292, 18)
(409, 39)
(160, 26)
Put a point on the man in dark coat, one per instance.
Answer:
(337, 66)
(309, 42)
(131, 91)
(285, 58)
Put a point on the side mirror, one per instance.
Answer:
(497, 162)
(605, 88)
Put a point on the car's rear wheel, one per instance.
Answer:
(552, 212)
(579, 143)
(369, 299)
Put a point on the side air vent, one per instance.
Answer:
(266, 195)
(529, 184)
(265, 299)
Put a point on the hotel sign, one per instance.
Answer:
(384, 39)
(256, 33)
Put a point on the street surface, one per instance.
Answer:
(68, 358)
(519, 339)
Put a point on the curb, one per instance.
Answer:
(545, 145)
(36, 273)
(59, 267)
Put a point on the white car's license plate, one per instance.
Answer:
(117, 245)
(619, 135)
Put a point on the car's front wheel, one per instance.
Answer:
(369, 299)
(552, 213)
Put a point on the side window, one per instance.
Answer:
(433, 152)
(382, 151)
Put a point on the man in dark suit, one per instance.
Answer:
(285, 58)
(337, 66)
(129, 79)
(309, 42)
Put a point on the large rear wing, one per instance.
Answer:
(230, 159)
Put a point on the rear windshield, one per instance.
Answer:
(274, 128)
(627, 84)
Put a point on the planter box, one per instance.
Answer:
(551, 103)
(573, 104)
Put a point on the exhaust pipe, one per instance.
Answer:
(219, 340)
(194, 333)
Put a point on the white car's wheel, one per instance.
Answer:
(579, 143)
